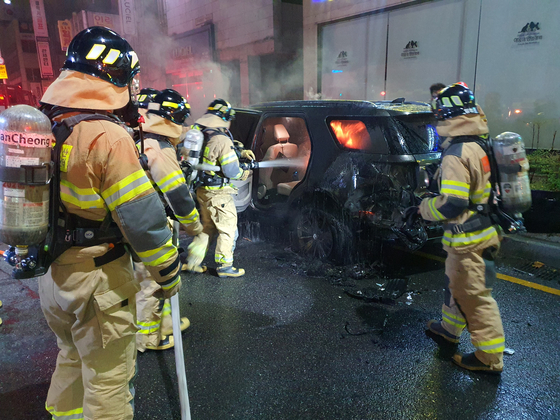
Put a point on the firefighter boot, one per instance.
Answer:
(165, 343)
(185, 323)
(230, 271)
(436, 328)
(471, 362)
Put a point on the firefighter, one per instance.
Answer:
(163, 126)
(88, 297)
(470, 239)
(217, 208)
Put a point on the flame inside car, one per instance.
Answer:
(352, 134)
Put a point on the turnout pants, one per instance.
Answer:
(92, 311)
(154, 314)
(219, 216)
(470, 277)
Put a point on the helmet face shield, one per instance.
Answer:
(135, 89)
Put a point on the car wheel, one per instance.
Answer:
(318, 234)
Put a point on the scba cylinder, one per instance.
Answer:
(192, 146)
(513, 166)
(25, 159)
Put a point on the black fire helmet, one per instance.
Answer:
(170, 105)
(145, 96)
(102, 53)
(222, 109)
(456, 99)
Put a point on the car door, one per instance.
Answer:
(243, 129)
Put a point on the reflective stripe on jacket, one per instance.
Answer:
(100, 172)
(220, 151)
(465, 179)
(169, 179)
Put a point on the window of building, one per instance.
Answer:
(28, 46)
(33, 75)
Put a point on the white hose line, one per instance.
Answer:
(179, 356)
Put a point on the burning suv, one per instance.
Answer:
(337, 174)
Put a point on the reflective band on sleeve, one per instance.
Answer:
(84, 198)
(497, 345)
(471, 238)
(455, 187)
(239, 175)
(191, 218)
(157, 256)
(171, 284)
(227, 158)
(437, 215)
(128, 188)
(76, 414)
(170, 181)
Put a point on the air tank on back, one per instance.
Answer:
(513, 167)
(192, 147)
(25, 160)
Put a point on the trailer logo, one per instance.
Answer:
(529, 35)
(411, 50)
(342, 59)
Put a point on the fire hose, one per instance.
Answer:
(179, 356)
(279, 163)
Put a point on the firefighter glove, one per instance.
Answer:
(197, 250)
(248, 154)
(245, 175)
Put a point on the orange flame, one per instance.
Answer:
(351, 133)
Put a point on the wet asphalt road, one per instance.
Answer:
(281, 344)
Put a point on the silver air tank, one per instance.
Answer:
(193, 145)
(513, 168)
(26, 140)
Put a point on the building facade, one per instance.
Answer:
(505, 50)
(241, 50)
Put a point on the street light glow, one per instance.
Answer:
(8, 1)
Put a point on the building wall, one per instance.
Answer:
(237, 22)
(357, 50)
(258, 48)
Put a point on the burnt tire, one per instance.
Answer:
(318, 234)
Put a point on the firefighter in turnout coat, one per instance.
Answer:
(88, 296)
(163, 126)
(470, 240)
(217, 208)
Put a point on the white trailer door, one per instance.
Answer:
(424, 48)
